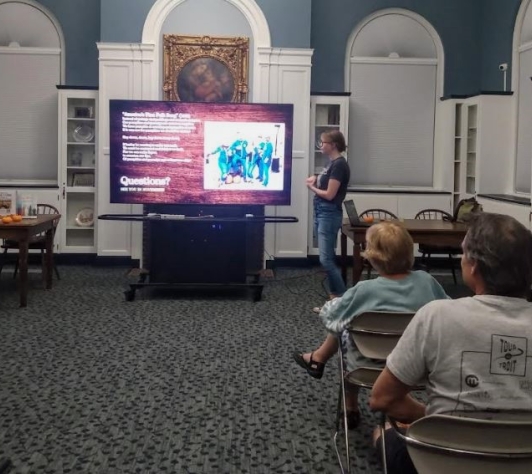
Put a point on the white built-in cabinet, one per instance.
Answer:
(519, 211)
(78, 113)
(482, 151)
(327, 112)
(483, 154)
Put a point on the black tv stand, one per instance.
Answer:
(209, 248)
(253, 285)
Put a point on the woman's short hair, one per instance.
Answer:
(336, 137)
(389, 248)
(502, 249)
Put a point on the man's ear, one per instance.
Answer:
(474, 268)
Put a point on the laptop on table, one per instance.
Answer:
(352, 214)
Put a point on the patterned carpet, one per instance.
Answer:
(90, 383)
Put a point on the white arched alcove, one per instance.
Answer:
(151, 33)
(394, 70)
(412, 37)
(30, 25)
(522, 86)
(32, 64)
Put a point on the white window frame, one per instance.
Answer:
(43, 49)
(439, 60)
(517, 49)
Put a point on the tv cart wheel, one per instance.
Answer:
(130, 294)
(257, 294)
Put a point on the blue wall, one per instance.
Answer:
(498, 23)
(80, 21)
(86, 22)
(458, 23)
(122, 20)
(289, 20)
(476, 34)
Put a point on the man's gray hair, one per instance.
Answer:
(502, 250)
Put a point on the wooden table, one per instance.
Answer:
(23, 232)
(429, 232)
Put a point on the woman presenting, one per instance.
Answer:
(330, 188)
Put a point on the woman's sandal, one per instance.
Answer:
(314, 369)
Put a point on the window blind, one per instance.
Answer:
(28, 114)
(391, 123)
(524, 125)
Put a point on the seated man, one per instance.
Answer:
(473, 353)
(390, 249)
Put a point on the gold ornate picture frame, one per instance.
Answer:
(206, 68)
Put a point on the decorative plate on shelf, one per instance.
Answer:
(83, 133)
(85, 217)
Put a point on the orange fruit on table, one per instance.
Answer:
(368, 219)
(16, 218)
(7, 219)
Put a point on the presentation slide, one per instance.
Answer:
(200, 153)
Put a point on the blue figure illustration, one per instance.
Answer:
(239, 154)
(256, 158)
(267, 155)
(223, 163)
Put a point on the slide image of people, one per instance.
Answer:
(240, 155)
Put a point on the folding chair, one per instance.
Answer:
(375, 334)
(442, 444)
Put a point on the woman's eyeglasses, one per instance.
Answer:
(320, 143)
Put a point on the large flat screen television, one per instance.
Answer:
(164, 152)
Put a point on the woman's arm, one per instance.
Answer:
(330, 193)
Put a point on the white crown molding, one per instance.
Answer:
(415, 61)
(33, 51)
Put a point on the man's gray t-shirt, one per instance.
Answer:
(474, 354)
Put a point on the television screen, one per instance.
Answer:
(164, 152)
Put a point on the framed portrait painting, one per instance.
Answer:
(205, 68)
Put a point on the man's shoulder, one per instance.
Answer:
(447, 306)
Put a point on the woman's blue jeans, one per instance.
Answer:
(327, 224)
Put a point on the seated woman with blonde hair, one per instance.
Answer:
(390, 250)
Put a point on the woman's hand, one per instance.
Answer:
(311, 180)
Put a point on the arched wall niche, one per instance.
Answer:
(395, 31)
(521, 72)
(29, 24)
(151, 33)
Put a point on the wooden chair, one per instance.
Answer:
(378, 214)
(37, 242)
(428, 250)
(381, 214)
(375, 334)
(440, 444)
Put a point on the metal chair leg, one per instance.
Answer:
(383, 443)
(3, 260)
(452, 268)
(342, 404)
(56, 271)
